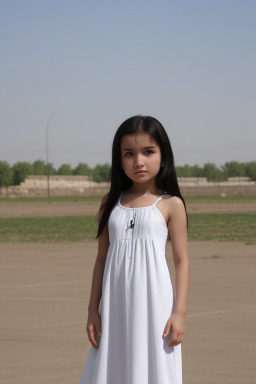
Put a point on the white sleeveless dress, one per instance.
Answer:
(137, 300)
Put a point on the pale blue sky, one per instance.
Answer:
(190, 64)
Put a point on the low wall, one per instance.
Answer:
(36, 186)
(200, 185)
(218, 189)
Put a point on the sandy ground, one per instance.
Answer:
(44, 293)
(81, 208)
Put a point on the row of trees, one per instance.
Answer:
(222, 173)
(14, 175)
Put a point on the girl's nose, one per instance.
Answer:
(139, 161)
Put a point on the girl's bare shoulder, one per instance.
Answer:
(172, 201)
(173, 205)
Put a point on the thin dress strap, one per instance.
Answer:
(119, 200)
(159, 198)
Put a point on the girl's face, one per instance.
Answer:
(140, 157)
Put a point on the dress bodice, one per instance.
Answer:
(137, 223)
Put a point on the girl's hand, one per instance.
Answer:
(93, 328)
(176, 326)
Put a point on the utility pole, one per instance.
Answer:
(47, 154)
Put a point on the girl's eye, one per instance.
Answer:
(128, 154)
(149, 151)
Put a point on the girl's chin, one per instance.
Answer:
(142, 180)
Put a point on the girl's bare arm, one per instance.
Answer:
(177, 227)
(94, 321)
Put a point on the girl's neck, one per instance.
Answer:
(144, 189)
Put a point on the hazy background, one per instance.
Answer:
(191, 64)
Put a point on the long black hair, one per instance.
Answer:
(166, 179)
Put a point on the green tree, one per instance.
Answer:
(233, 169)
(52, 170)
(20, 171)
(189, 171)
(82, 169)
(212, 172)
(6, 175)
(250, 169)
(196, 171)
(100, 172)
(184, 171)
(39, 167)
(65, 169)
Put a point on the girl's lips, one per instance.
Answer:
(138, 172)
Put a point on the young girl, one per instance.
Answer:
(137, 328)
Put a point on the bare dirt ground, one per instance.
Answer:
(44, 293)
(82, 208)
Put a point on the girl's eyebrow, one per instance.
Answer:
(130, 149)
